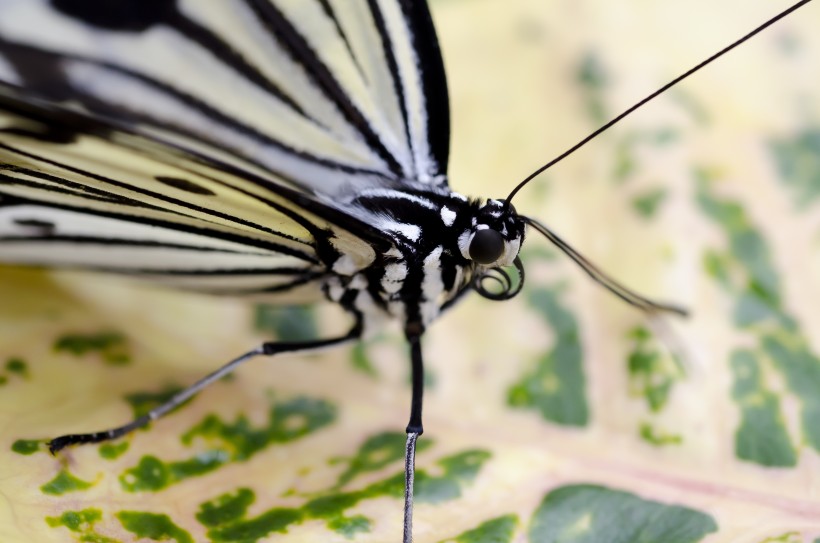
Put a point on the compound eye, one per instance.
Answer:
(487, 246)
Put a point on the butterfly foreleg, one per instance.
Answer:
(265, 349)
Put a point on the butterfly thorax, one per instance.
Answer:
(429, 265)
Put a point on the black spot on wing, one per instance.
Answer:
(39, 73)
(118, 15)
(185, 184)
(60, 135)
(37, 226)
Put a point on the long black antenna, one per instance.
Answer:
(661, 90)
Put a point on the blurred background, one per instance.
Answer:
(545, 415)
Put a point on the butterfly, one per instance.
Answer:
(296, 150)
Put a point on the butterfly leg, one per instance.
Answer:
(266, 349)
(414, 430)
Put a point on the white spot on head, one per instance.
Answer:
(466, 238)
(464, 241)
(510, 252)
(448, 216)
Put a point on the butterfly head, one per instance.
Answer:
(495, 236)
(492, 242)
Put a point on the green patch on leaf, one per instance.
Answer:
(226, 509)
(652, 374)
(82, 524)
(112, 451)
(17, 366)
(76, 521)
(648, 203)
(153, 526)
(531, 253)
(593, 78)
(557, 386)
(716, 265)
(591, 73)
(110, 345)
(798, 162)
(748, 275)
(591, 514)
(288, 323)
(226, 518)
(664, 136)
(63, 483)
(761, 436)
(791, 355)
(748, 249)
(696, 110)
(497, 530)
(375, 453)
(230, 442)
(256, 528)
(788, 537)
(655, 437)
(26, 446)
(457, 471)
(625, 162)
(361, 360)
(350, 526)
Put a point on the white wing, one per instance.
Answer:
(327, 94)
(75, 191)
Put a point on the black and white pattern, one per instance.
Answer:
(294, 148)
(325, 94)
(291, 148)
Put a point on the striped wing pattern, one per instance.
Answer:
(211, 145)
(328, 94)
(72, 194)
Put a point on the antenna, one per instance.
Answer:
(658, 92)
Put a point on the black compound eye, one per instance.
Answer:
(487, 246)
